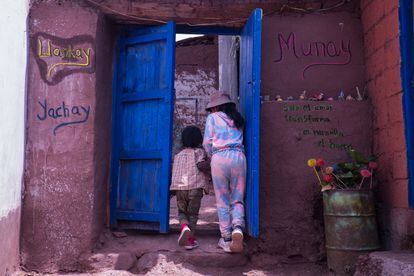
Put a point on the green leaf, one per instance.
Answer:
(347, 175)
(357, 156)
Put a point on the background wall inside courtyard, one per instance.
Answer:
(13, 16)
(196, 77)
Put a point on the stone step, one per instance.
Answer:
(138, 252)
(386, 263)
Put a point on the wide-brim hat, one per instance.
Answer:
(218, 98)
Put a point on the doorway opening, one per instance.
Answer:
(143, 97)
(201, 67)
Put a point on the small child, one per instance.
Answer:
(189, 179)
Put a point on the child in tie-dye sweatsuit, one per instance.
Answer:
(223, 141)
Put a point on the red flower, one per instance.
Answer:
(372, 165)
(365, 173)
(320, 162)
(328, 178)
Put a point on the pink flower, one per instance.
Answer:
(327, 178)
(326, 188)
(329, 170)
(365, 173)
(372, 165)
(320, 162)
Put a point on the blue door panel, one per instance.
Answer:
(250, 62)
(142, 127)
(140, 122)
(145, 63)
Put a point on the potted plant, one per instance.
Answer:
(349, 209)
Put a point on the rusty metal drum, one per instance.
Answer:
(350, 228)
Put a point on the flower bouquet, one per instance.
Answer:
(355, 174)
(349, 209)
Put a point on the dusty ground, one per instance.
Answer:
(138, 253)
(133, 253)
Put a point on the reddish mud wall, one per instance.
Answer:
(67, 134)
(68, 122)
(291, 215)
(196, 77)
(316, 53)
(10, 233)
(383, 60)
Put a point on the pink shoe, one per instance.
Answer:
(192, 244)
(184, 235)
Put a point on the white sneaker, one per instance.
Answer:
(236, 244)
(184, 235)
(225, 245)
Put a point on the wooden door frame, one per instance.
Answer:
(183, 29)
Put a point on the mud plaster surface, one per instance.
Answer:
(291, 214)
(145, 254)
(58, 220)
(9, 242)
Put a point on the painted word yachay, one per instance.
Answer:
(77, 114)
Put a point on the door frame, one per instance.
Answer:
(407, 77)
(179, 29)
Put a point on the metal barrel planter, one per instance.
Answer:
(350, 228)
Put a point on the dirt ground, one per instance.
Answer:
(144, 253)
(137, 253)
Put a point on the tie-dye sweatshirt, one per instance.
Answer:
(221, 134)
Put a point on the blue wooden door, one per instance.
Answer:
(142, 128)
(250, 59)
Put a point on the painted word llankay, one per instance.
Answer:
(70, 56)
(77, 114)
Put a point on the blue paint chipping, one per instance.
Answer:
(406, 45)
(250, 63)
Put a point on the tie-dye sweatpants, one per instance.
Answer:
(228, 169)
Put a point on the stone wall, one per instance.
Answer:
(383, 60)
(13, 16)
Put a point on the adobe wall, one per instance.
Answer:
(68, 124)
(13, 16)
(383, 60)
(319, 53)
(67, 151)
(196, 77)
